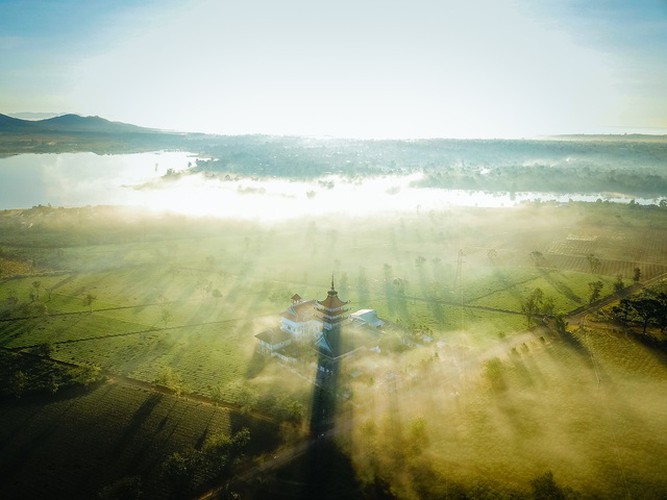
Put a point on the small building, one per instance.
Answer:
(367, 317)
(272, 340)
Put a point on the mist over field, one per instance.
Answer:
(518, 287)
(270, 178)
(333, 250)
(475, 385)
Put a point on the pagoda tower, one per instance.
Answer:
(331, 312)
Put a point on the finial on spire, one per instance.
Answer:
(332, 282)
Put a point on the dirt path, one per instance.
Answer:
(578, 316)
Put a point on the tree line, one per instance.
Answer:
(646, 309)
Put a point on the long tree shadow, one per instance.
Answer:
(255, 364)
(34, 444)
(573, 342)
(657, 346)
(63, 282)
(133, 427)
(560, 286)
(508, 285)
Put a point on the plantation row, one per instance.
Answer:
(606, 267)
(82, 443)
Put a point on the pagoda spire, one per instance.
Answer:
(332, 282)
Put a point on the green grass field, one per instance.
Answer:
(177, 302)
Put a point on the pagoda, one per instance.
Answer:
(331, 312)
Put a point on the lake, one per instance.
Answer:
(78, 179)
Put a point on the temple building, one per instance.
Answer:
(323, 324)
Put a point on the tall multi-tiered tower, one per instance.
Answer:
(332, 312)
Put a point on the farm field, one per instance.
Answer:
(80, 443)
(467, 384)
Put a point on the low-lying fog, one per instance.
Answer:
(160, 181)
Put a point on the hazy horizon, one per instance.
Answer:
(645, 131)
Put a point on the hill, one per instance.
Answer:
(73, 133)
(69, 123)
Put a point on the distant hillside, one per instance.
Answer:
(74, 133)
(69, 123)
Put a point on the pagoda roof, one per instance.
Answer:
(301, 311)
(332, 301)
(343, 342)
(296, 297)
(322, 344)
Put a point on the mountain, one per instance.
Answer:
(74, 133)
(9, 124)
(69, 123)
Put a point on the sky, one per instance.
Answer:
(362, 68)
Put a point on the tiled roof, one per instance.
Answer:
(273, 336)
(343, 341)
(331, 302)
(303, 311)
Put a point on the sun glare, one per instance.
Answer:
(274, 199)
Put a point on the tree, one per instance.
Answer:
(593, 262)
(166, 315)
(44, 350)
(647, 308)
(19, 381)
(533, 303)
(87, 374)
(88, 300)
(618, 284)
(595, 288)
(35, 284)
(548, 306)
(561, 324)
(178, 470)
(538, 257)
(41, 309)
(661, 315)
(545, 488)
(637, 275)
(623, 310)
(170, 379)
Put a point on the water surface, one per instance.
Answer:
(78, 179)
